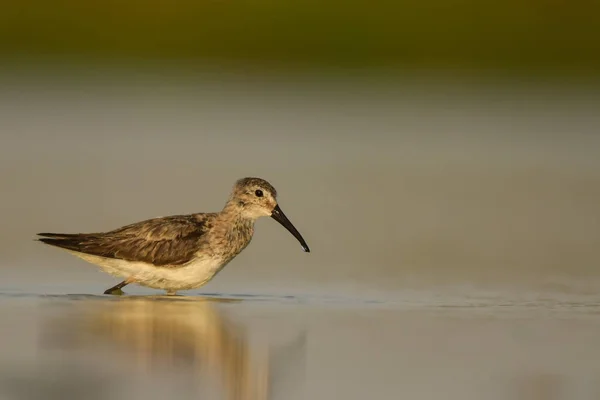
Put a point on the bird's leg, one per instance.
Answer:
(117, 288)
(171, 293)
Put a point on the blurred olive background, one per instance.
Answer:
(440, 141)
(534, 36)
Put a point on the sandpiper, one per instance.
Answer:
(179, 252)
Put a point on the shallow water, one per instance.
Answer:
(241, 346)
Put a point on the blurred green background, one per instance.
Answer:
(524, 37)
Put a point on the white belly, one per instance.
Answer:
(188, 276)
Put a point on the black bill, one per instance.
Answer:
(280, 217)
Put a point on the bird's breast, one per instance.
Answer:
(228, 243)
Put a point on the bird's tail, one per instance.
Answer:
(59, 235)
(68, 241)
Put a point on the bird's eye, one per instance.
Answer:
(258, 193)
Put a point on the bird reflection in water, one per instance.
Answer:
(187, 334)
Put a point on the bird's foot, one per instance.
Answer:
(114, 292)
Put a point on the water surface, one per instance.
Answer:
(241, 346)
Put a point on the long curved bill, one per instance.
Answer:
(280, 217)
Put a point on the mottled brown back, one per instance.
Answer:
(160, 241)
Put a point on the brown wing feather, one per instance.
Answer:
(159, 241)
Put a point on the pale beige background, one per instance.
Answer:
(393, 184)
